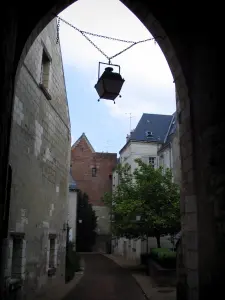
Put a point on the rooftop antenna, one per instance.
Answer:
(130, 116)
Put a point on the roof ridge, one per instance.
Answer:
(157, 114)
(171, 122)
(83, 135)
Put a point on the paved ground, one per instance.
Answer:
(150, 288)
(103, 279)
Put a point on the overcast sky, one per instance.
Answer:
(148, 86)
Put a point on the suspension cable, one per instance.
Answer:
(85, 33)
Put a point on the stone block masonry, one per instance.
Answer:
(39, 157)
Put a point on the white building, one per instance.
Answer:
(155, 141)
(169, 151)
(72, 208)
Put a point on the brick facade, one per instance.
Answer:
(92, 172)
(83, 160)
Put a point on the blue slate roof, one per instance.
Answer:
(158, 125)
(72, 182)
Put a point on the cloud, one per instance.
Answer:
(148, 83)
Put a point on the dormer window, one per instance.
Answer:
(149, 134)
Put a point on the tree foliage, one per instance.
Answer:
(86, 224)
(145, 202)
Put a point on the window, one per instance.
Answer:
(52, 248)
(17, 256)
(149, 134)
(45, 69)
(152, 161)
(45, 74)
(52, 254)
(94, 172)
(110, 176)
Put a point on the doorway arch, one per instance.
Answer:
(192, 59)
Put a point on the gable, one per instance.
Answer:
(83, 143)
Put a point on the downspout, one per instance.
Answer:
(170, 155)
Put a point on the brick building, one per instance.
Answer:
(93, 174)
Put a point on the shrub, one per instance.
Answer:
(166, 258)
(72, 262)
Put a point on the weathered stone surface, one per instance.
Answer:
(39, 157)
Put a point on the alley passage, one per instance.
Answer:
(105, 280)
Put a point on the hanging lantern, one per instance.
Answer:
(109, 84)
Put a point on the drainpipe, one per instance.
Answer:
(170, 155)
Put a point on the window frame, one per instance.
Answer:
(17, 257)
(149, 134)
(94, 174)
(155, 161)
(43, 86)
(52, 255)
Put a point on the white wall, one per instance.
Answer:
(166, 158)
(129, 249)
(176, 164)
(133, 248)
(136, 150)
(103, 219)
(170, 158)
(72, 214)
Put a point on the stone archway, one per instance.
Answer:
(192, 58)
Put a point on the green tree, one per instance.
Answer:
(122, 202)
(86, 224)
(158, 197)
(148, 193)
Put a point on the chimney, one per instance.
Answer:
(128, 137)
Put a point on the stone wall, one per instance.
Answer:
(39, 158)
